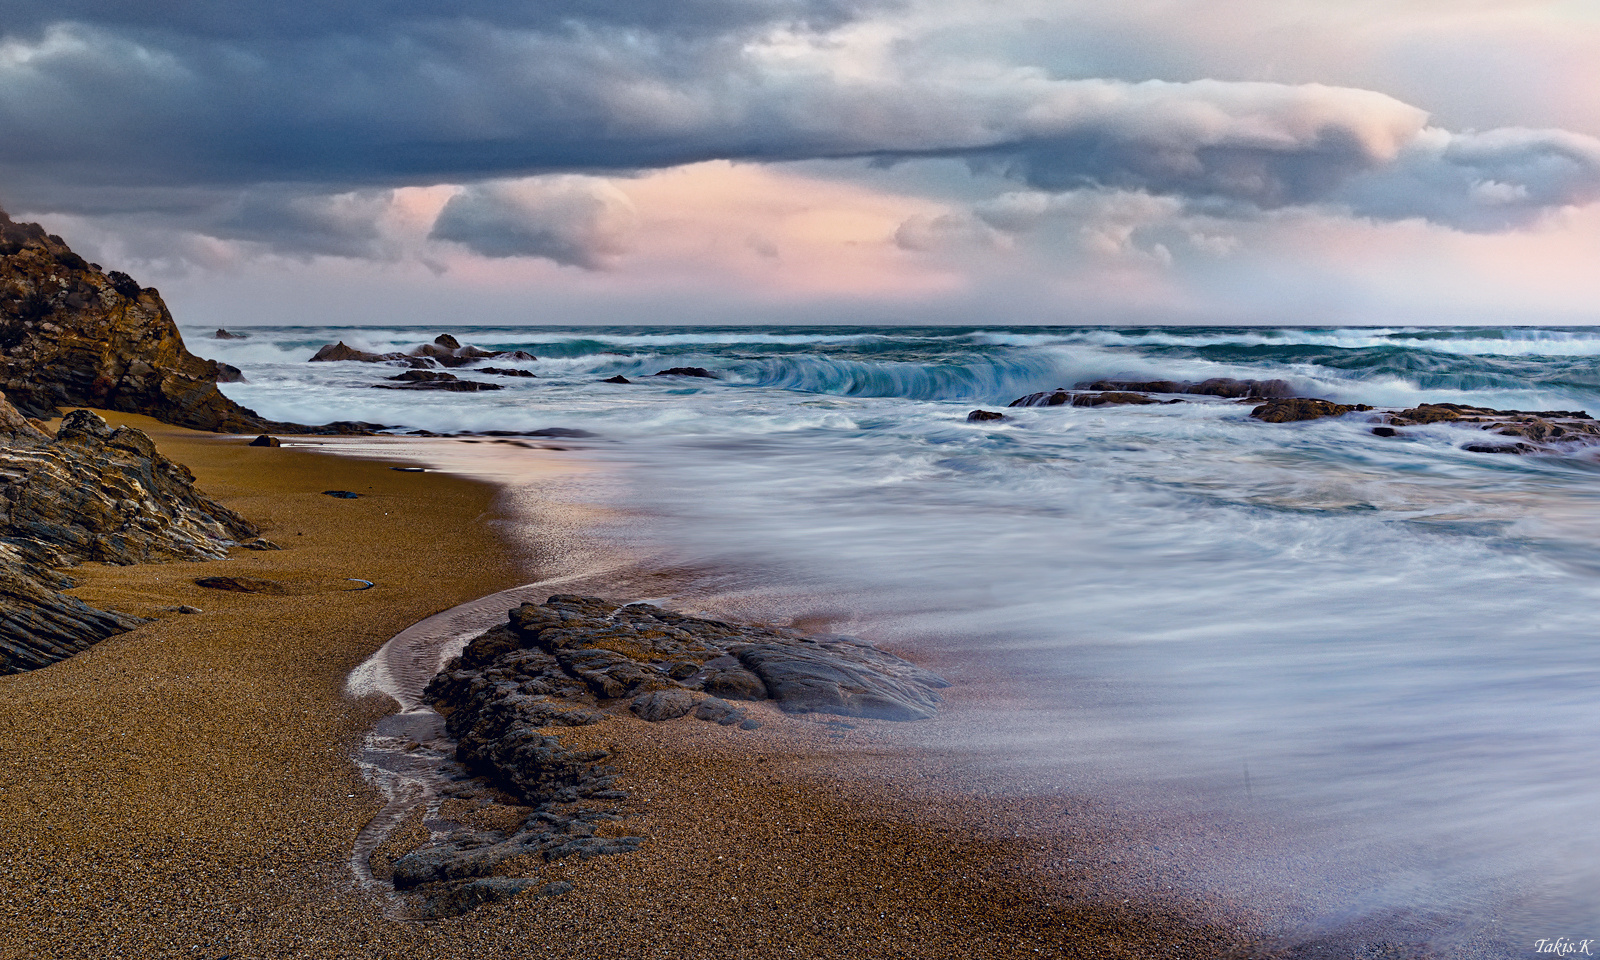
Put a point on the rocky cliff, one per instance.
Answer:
(72, 335)
(89, 493)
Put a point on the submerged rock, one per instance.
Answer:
(88, 493)
(984, 416)
(1298, 409)
(1059, 398)
(1214, 387)
(619, 378)
(222, 334)
(701, 372)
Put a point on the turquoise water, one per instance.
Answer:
(1395, 637)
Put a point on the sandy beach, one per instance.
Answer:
(187, 789)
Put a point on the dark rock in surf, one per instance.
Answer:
(701, 372)
(1226, 387)
(1112, 399)
(506, 371)
(1058, 398)
(1517, 448)
(448, 386)
(984, 416)
(423, 376)
(228, 373)
(571, 433)
(447, 341)
(1384, 432)
(222, 334)
(1300, 409)
(619, 378)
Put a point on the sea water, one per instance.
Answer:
(1385, 646)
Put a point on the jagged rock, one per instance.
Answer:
(506, 371)
(619, 378)
(661, 705)
(335, 352)
(981, 416)
(1111, 399)
(228, 373)
(266, 441)
(449, 386)
(1057, 398)
(222, 334)
(71, 335)
(1214, 387)
(1298, 409)
(445, 350)
(688, 372)
(571, 661)
(1047, 398)
(89, 493)
(424, 376)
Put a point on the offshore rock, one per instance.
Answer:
(1551, 431)
(700, 372)
(983, 416)
(1058, 398)
(1295, 410)
(89, 493)
(1215, 387)
(445, 350)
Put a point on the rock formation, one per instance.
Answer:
(1215, 387)
(1295, 410)
(89, 493)
(568, 663)
(445, 351)
(72, 335)
(1057, 398)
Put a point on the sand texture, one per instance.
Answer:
(186, 789)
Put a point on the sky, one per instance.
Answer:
(818, 161)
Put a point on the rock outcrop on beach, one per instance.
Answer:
(444, 351)
(569, 662)
(73, 335)
(89, 493)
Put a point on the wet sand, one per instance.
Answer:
(187, 789)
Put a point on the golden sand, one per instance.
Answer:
(187, 790)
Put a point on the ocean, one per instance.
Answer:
(1379, 655)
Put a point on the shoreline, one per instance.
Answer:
(190, 785)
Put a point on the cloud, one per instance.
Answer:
(1481, 182)
(288, 125)
(575, 221)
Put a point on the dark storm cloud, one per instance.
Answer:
(272, 123)
(286, 19)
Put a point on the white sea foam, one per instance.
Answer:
(1393, 636)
